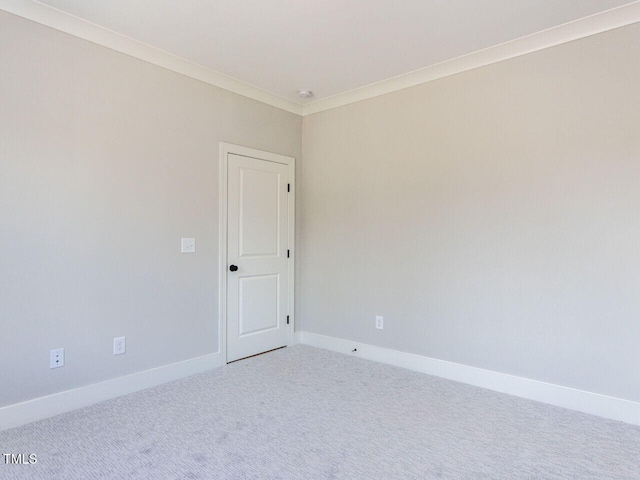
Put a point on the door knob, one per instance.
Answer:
(233, 268)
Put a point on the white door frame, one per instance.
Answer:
(225, 150)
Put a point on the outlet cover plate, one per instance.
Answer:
(119, 345)
(379, 322)
(56, 358)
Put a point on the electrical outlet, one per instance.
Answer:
(379, 322)
(56, 358)
(119, 345)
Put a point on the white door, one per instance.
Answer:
(257, 256)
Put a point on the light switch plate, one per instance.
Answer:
(188, 245)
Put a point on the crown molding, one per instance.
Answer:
(575, 30)
(64, 22)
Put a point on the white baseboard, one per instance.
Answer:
(296, 338)
(45, 407)
(580, 400)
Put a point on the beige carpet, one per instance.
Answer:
(305, 413)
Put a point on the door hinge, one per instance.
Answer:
(287, 319)
(288, 253)
(288, 187)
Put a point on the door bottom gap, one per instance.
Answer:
(257, 354)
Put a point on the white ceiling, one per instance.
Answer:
(327, 46)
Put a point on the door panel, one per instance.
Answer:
(257, 293)
(258, 304)
(259, 194)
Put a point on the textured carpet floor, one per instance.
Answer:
(305, 413)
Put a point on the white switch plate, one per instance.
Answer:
(56, 358)
(119, 345)
(379, 322)
(188, 245)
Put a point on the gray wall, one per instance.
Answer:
(105, 163)
(491, 217)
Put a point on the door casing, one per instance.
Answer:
(225, 150)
